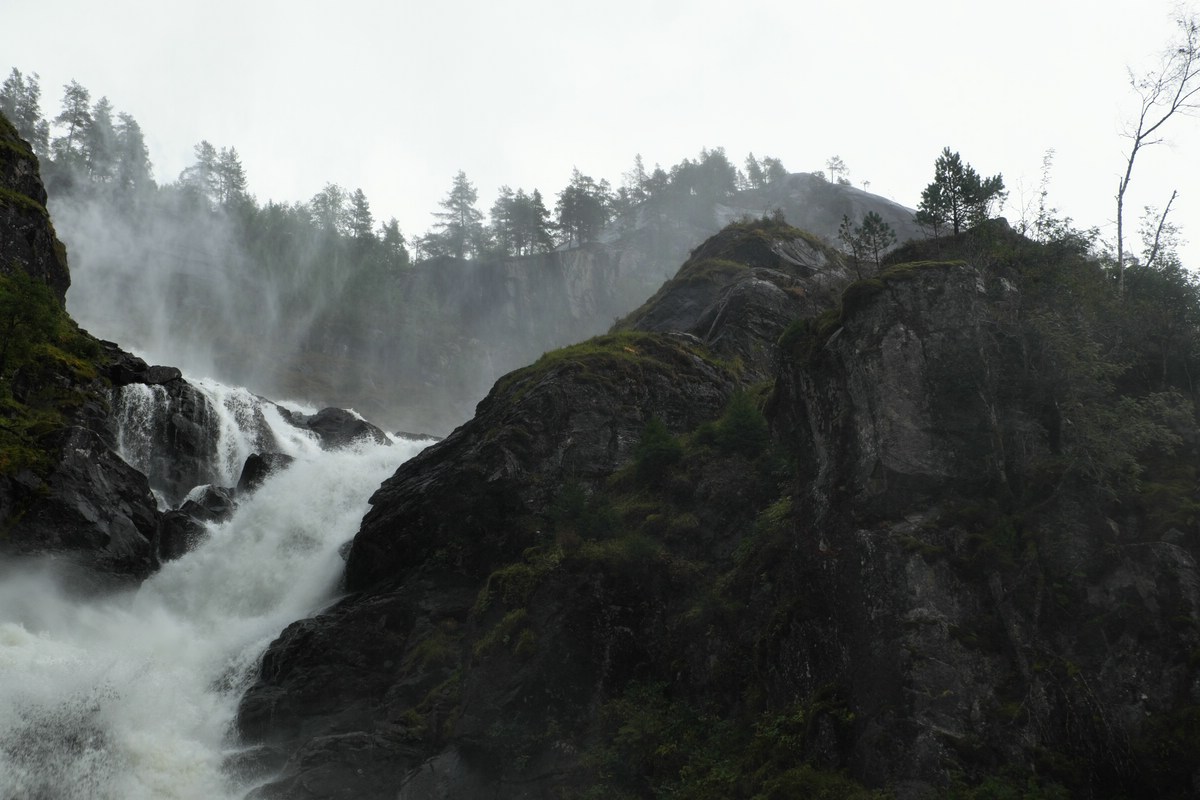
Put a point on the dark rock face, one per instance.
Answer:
(337, 691)
(478, 658)
(27, 238)
(93, 507)
(125, 368)
(741, 289)
(540, 427)
(82, 502)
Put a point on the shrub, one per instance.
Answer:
(657, 451)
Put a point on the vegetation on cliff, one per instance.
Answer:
(920, 560)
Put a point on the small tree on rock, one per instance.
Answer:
(958, 197)
(872, 237)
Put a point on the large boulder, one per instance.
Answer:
(337, 427)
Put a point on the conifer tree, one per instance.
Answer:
(229, 178)
(133, 169)
(75, 118)
(755, 176)
(583, 208)
(20, 101)
(460, 224)
(958, 197)
(100, 142)
(201, 177)
(393, 242)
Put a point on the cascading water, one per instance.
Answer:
(201, 433)
(132, 695)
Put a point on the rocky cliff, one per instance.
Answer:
(906, 536)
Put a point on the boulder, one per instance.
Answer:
(178, 532)
(336, 427)
(257, 467)
(210, 503)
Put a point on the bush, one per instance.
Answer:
(657, 451)
(743, 428)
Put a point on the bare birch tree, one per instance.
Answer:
(1172, 89)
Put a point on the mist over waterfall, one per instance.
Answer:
(132, 694)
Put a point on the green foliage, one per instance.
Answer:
(504, 633)
(29, 314)
(958, 197)
(655, 744)
(742, 429)
(1010, 785)
(656, 452)
(610, 360)
(870, 238)
(52, 358)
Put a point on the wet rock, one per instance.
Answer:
(337, 427)
(178, 532)
(92, 506)
(258, 467)
(210, 503)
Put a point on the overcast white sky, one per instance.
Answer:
(395, 97)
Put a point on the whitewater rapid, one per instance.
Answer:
(132, 696)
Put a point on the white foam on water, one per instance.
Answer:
(132, 696)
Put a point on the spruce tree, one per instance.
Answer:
(958, 197)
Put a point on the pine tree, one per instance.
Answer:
(394, 249)
(201, 177)
(540, 240)
(583, 208)
(754, 172)
(460, 224)
(773, 170)
(359, 221)
(229, 178)
(133, 169)
(75, 118)
(505, 215)
(20, 101)
(100, 143)
(958, 196)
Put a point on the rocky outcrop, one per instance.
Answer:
(27, 238)
(92, 507)
(919, 580)
(63, 489)
(572, 418)
(740, 290)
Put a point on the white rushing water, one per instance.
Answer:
(132, 696)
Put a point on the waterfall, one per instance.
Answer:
(131, 696)
(200, 432)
